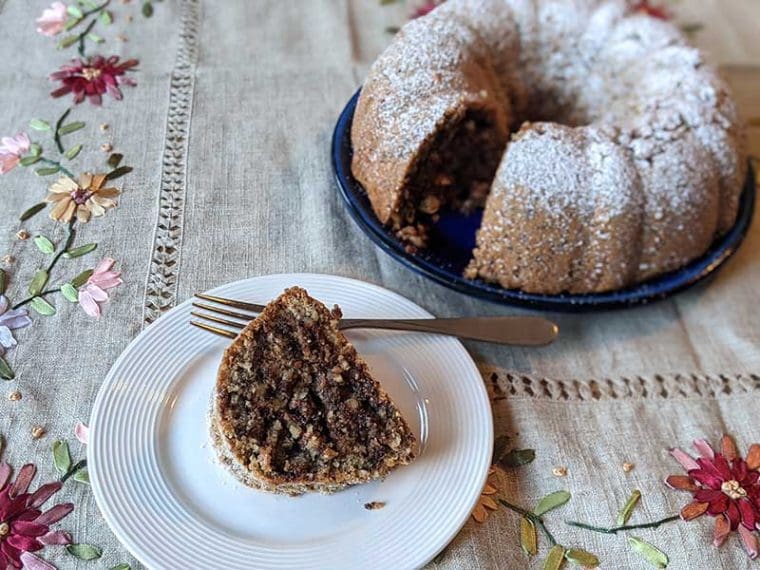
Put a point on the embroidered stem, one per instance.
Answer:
(67, 245)
(62, 168)
(538, 521)
(74, 468)
(57, 133)
(617, 529)
(97, 9)
(82, 36)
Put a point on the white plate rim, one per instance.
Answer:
(100, 492)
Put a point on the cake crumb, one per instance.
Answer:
(374, 505)
(560, 471)
(628, 466)
(14, 396)
(38, 432)
(23, 235)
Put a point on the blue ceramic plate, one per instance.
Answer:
(453, 238)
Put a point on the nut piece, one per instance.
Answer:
(14, 396)
(560, 471)
(374, 505)
(628, 466)
(8, 259)
(38, 432)
(429, 205)
(22, 235)
(106, 147)
(104, 127)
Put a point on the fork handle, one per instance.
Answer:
(519, 331)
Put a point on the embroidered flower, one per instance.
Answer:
(486, 504)
(94, 77)
(424, 9)
(24, 527)
(10, 320)
(82, 433)
(93, 292)
(656, 11)
(84, 199)
(11, 151)
(53, 19)
(724, 486)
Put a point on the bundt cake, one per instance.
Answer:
(295, 408)
(604, 149)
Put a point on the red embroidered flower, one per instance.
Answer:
(425, 9)
(93, 77)
(656, 11)
(24, 528)
(724, 486)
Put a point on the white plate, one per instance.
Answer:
(158, 485)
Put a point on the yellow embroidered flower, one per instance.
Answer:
(486, 504)
(83, 200)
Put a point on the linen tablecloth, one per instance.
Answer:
(228, 131)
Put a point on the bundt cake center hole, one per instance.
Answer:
(456, 169)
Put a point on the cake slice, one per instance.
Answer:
(296, 409)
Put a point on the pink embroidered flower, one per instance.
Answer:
(656, 11)
(53, 19)
(24, 527)
(82, 433)
(10, 320)
(724, 486)
(425, 8)
(11, 151)
(93, 292)
(94, 77)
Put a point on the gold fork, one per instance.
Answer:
(516, 330)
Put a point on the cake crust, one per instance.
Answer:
(295, 408)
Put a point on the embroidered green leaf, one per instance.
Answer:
(114, 160)
(3, 281)
(581, 558)
(82, 476)
(556, 558)
(33, 211)
(84, 551)
(106, 18)
(649, 552)
(80, 251)
(625, 513)
(74, 10)
(518, 457)
(42, 307)
(68, 41)
(95, 38)
(35, 149)
(73, 152)
(70, 23)
(44, 245)
(6, 372)
(70, 292)
(82, 278)
(87, 4)
(122, 566)
(552, 501)
(118, 172)
(528, 537)
(147, 9)
(71, 127)
(29, 160)
(39, 125)
(499, 448)
(38, 282)
(47, 170)
(61, 457)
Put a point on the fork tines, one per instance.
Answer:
(237, 325)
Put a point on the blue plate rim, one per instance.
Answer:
(658, 288)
